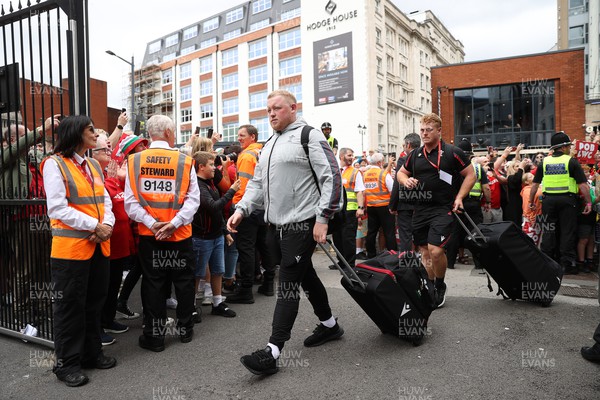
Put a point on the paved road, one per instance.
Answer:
(481, 347)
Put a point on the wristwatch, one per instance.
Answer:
(120, 127)
(361, 207)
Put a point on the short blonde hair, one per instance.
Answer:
(431, 119)
(202, 144)
(283, 93)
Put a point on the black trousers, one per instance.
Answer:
(559, 212)
(80, 287)
(164, 263)
(295, 247)
(114, 283)
(252, 237)
(404, 224)
(597, 336)
(345, 238)
(473, 208)
(380, 217)
(131, 280)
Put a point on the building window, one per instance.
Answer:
(258, 48)
(262, 126)
(231, 106)
(186, 135)
(379, 66)
(403, 72)
(378, 36)
(290, 66)
(390, 64)
(403, 46)
(154, 47)
(390, 36)
(206, 64)
(290, 14)
(210, 25)
(206, 88)
(185, 70)
(258, 100)
(576, 35)
(234, 15)
(258, 74)
(230, 82)
(492, 116)
(230, 57)
(296, 90)
(379, 96)
(190, 32)
(422, 82)
(378, 6)
(172, 40)
(169, 57)
(260, 6)
(167, 96)
(185, 93)
(260, 24)
(186, 115)
(188, 50)
(380, 134)
(230, 132)
(208, 42)
(289, 39)
(167, 76)
(232, 34)
(206, 110)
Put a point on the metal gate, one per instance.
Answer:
(44, 71)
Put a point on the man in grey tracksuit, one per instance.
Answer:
(297, 216)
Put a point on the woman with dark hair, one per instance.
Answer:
(81, 218)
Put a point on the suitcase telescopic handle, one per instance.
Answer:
(342, 271)
(474, 237)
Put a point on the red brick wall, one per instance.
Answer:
(565, 67)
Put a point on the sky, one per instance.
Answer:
(487, 29)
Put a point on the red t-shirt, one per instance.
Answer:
(121, 241)
(495, 191)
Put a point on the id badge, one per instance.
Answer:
(446, 177)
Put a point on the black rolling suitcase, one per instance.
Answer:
(394, 292)
(521, 270)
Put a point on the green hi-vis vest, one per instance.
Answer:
(556, 175)
(349, 181)
(476, 189)
(331, 141)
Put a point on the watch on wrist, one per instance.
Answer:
(120, 127)
(361, 207)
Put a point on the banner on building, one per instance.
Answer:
(332, 58)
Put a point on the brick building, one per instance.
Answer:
(512, 100)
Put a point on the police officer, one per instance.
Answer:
(560, 177)
(333, 143)
(471, 203)
(161, 192)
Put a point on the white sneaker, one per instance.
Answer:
(207, 300)
(200, 295)
(171, 303)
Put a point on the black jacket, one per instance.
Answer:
(208, 221)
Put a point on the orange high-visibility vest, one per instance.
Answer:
(159, 180)
(376, 190)
(69, 243)
(246, 163)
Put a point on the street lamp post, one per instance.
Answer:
(132, 80)
(362, 130)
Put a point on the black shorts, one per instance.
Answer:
(432, 225)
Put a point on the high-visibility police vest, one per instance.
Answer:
(376, 190)
(159, 180)
(69, 243)
(331, 141)
(349, 182)
(556, 175)
(246, 164)
(476, 189)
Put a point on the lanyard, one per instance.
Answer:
(439, 156)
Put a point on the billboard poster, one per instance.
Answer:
(332, 63)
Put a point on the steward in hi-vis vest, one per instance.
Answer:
(161, 193)
(562, 178)
(352, 179)
(81, 218)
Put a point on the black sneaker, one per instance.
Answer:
(323, 334)
(116, 327)
(123, 312)
(197, 315)
(223, 310)
(591, 353)
(261, 362)
(440, 296)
